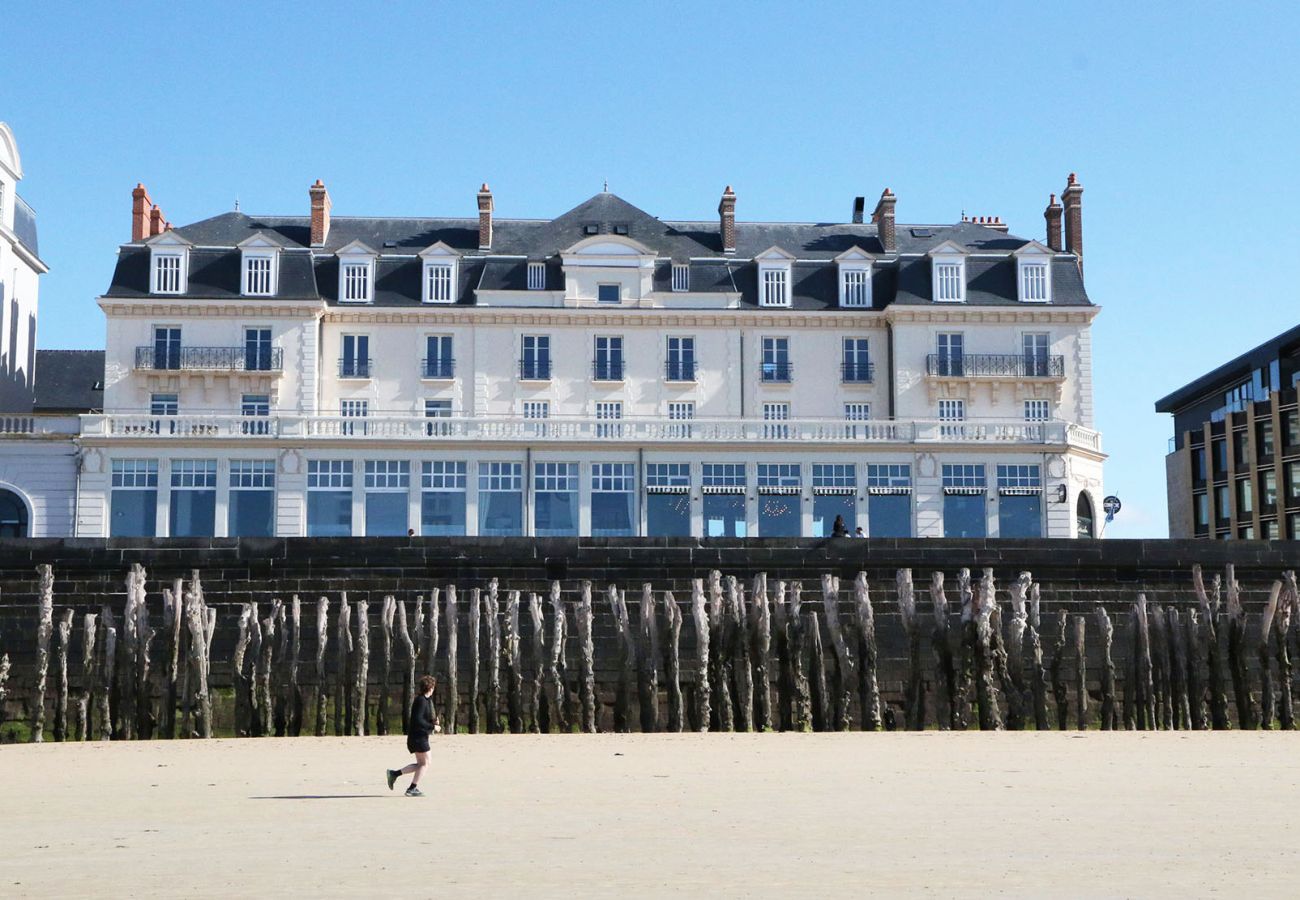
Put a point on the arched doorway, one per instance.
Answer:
(13, 515)
(1083, 516)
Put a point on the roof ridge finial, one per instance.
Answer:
(236, 203)
(605, 189)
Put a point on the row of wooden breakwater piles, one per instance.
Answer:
(754, 658)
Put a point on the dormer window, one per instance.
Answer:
(537, 276)
(168, 263)
(681, 277)
(774, 277)
(855, 278)
(1034, 275)
(356, 273)
(167, 273)
(948, 262)
(440, 267)
(259, 266)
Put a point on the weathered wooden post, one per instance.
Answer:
(1237, 654)
(1107, 633)
(44, 630)
(986, 693)
(1193, 640)
(1001, 673)
(453, 664)
(88, 633)
(704, 666)
(322, 639)
(145, 719)
(514, 670)
(782, 651)
(719, 658)
(172, 620)
(492, 612)
(1209, 644)
(1037, 671)
(387, 613)
(343, 653)
(4, 680)
(969, 645)
(760, 629)
(1179, 655)
(475, 663)
(238, 680)
(127, 651)
(294, 686)
(106, 662)
(842, 682)
(561, 712)
(432, 635)
(868, 686)
(360, 715)
(63, 638)
(737, 640)
(1144, 695)
(538, 717)
(411, 653)
(799, 643)
(1080, 675)
(586, 661)
(1018, 697)
(196, 619)
(266, 669)
(940, 645)
(1281, 639)
(626, 661)
(817, 688)
(1160, 665)
(280, 678)
(1059, 692)
(914, 692)
(1267, 704)
(647, 670)
(672, 663)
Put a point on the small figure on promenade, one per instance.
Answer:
(839, 529)
(859, 533)
(417, 737)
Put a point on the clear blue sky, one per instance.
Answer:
(1180, 121)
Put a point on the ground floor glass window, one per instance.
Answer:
(1020, 502)
(251, 510)
(668, 499)
(834, 488)
(889, 500)
(329, 498)
(500, 499)
(555, 498)
(613, 499)
(442, 499)
(964, 489)
(133, 504)
(724, 500)
(779, 513)
(193, 498)
(387, 483)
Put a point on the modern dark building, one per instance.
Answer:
(1233, 469)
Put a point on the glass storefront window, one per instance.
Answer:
(889, 501)
(964, 499)
(668, 499)
(1020, 501)
(555, 499)
(724, 487)
(329, 498)
(387, 484)
(194, 498)
(133, 510)
(442, 498)
(500, 499)
(252, 498)
(613, 499)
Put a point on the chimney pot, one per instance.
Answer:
(485, 207)
(884, 219)
(320, 213)
(156, 221)
(140, 206)
(1073, 198)
(727, 220)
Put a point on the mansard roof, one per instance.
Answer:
(902, 276)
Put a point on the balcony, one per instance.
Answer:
(857, 373)
(994, 365)
(438, 368)
(607, 370)
(793, 433)
(776, 373)
(355, 368)
(534, 369)
(679, 370)
(209, 359)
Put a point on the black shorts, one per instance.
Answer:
(417, 743)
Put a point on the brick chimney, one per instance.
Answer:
(157, 224)
(1073, 197)
(727, 220)
(485, 217)
(1053, 216)
(320, 213)
(140, 208)
(884, 219)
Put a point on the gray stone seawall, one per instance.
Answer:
(1076, 575)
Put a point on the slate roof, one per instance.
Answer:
(902, 277)
(69, 381)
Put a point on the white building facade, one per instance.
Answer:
(604, 373)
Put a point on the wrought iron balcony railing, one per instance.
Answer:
(857, 373)
(777, 372)
(210, 359)
(534, 370)
(608, 370)
(354, 368)
(1006, 365)
(680, 370)
(438, 367)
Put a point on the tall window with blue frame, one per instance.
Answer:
(555, 499)
(1020, 501)
(724, 487)
(964, 500)
(133, 504)
(779, 490)
(329, 498)
(668, 499)
(613, 499)
(500, 499)
(835, 486)
(889, 500)
(193, 498)
(442, 498)
(251, 510)
(388, 486)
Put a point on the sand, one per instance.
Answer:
(933, 814)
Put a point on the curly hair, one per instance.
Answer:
(428, 684)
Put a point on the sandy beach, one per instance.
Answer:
(932, 814)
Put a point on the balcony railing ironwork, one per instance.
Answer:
(534, 370)
(210, 359)
(679, 370)
(438, 367)
(354, 368)
(608, 370)
(1005, 365)
(776, 372)
(857, 373)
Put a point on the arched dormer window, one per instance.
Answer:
(1034, 273)
(948, 272)
(854, 277)
(441, 268)
(775, 287)
(608, 269)
(259, 266)
(169, 263)
(356, 273)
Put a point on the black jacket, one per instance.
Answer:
(421, 722)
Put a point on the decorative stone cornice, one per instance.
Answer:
(956, 312)
(241, 308)
(553, 316)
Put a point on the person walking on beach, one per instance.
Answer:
(417, 737)
(839, 529)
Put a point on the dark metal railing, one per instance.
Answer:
(438, 367)
(354, 368)
(857, 372)
(1010, 365)
(680, 370)
(777, 371)
(608, 370)
(220, 359)
(535, 369)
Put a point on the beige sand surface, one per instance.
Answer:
(930, 814)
